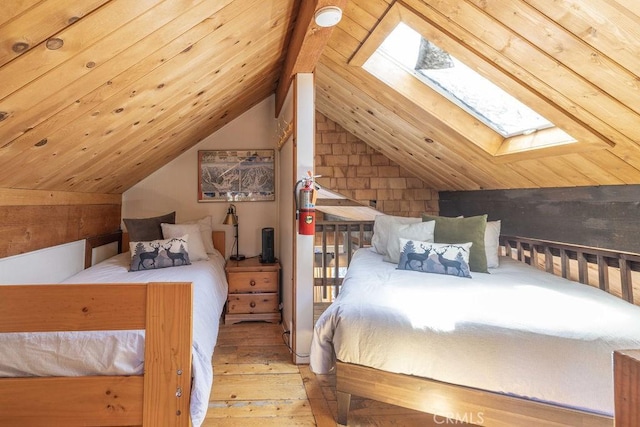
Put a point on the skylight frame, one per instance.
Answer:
(541, 143)
(487, 117)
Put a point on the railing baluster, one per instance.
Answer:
(625, 279)
(520, 251)
(533, 252)
(323, 262)
(603, 273)
(336, 258)
(583, 273)
(548, 260)
(508, 249)
(564, 263)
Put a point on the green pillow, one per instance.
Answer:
(462, 230)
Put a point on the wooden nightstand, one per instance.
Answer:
(253, 291)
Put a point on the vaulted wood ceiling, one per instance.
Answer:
(97, 94)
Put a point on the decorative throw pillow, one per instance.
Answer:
(420, 231)
(492, 243)
(205, 232)
(159, 254)
(428, 257)
(146, 229)
(461, 230)
(196, 247)
(381, 225)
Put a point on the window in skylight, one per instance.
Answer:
(460, 84)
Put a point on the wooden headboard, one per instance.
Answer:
(123, 243)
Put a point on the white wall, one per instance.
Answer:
(286, 222)
(304, 134)
(49, 265)
(297, 250)
(175, 185)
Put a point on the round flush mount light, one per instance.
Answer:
(328, 16)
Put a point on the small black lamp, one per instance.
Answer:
(232, 219)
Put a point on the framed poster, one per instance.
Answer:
(236, 175)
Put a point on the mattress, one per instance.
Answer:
(122, 352)
(517, 330)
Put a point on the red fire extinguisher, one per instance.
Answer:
(306, 211)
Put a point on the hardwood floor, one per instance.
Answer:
(256, 384)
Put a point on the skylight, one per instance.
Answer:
(460, 84)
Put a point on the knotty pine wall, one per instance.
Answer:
(37, 219)
(352, 168)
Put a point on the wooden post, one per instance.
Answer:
(626, 367)
(167, 358)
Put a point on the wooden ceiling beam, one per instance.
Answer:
(305, 48)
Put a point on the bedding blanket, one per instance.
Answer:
(122, 352)
(517, 330)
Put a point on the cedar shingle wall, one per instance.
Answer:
(352, 168)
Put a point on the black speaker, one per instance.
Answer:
(268, 255)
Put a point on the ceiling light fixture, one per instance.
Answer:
(328, 16)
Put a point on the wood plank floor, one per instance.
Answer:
(256, 384)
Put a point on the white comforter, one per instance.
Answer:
(122, 352)
(517, 330)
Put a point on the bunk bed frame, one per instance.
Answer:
(159, 397)
(479, 406)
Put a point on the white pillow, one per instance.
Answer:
(421, 231)
(206, 229)
(492, 243)
(196, 247)
(381, 226)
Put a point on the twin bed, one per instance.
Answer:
(139, 354)
(516, 346)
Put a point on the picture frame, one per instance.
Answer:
(236, 175)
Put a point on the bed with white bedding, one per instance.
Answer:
(516, 331)
(121, 353)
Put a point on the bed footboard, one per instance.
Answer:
(158, 398)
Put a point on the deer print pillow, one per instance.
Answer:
(171, 252)
(441, 258)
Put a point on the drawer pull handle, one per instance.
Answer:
(252, 304)
(252, 282)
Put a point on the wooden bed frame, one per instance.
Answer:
(160, 397)
(479, 406)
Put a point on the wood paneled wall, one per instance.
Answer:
(603, 217)
(32, 219)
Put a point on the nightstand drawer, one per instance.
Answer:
(253, 281)
(254, 291)
(252, 303)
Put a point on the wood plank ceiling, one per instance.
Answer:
(97, 94)
(580, 58)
